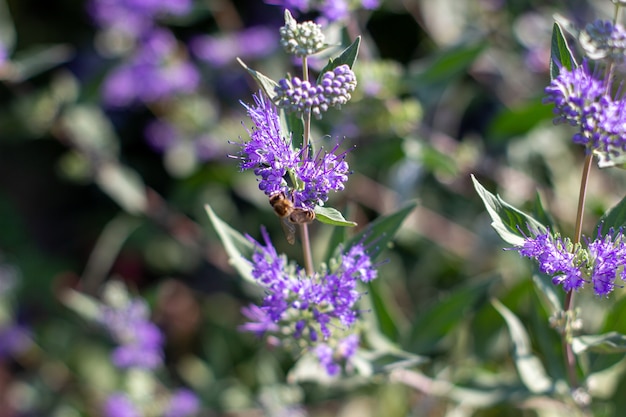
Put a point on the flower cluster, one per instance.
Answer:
(301, 39)
(140, 341)
(272, 157)
(309, 308)
(582, 100)
(134, 17)
(571, 266)
(155, 71)
(604, 40)
(334, 89)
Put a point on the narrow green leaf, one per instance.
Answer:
(506, 219)
(431, 325)
(531, 371)
(35, 60)
(612, 342)
(614, 218)
(239, 248)
(289, 20)
(560, 54)
(292, 128)
(448, 65)
(266, 83)
(381, 231)
(347, 57)
(540, 213)
(7, 29)
(331, 216)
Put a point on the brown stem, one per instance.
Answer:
(304, 229)
(569, 297)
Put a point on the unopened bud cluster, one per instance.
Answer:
(299, 96)
(302, 39)
(602, 39)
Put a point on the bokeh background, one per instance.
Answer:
(106, 166)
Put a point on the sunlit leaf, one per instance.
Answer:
(560, 54)
(347, 57)
(508, 221)
(612, 342)
(531, 371)
(238, 248)
(266, 83)
(331, 216)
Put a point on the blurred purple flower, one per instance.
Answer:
(220, 50)
(140, 341)
(334, 10)
(183, 403)
(14, 339)
(161, 135)
(156, 71)
(119, 405)
(134, 17)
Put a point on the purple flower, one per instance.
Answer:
(556, 257)
(306, 306)
(581, 100)
(119, 405)
(321, 175)
(140, 341)
(134, 17)
(267, 152)
(602, 39)
(183, 403)
(601, 262)
(155, 72)
(331, 358)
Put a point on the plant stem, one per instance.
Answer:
(569, 297)
(304, 228)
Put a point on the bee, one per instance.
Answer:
(290, 215)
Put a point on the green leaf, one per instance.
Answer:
(381, 231)
(512, 122)
(448, 65)
(531, 371)
(540, 213)
(347, 57)
(612, 342)
(292, 127)
(560, 54)
(266, 83)
(7, 29)
(39, 59)
(331, 216)
(614, 218)
(238, 248)
(431, 325)
(546, 291)
(506, 219)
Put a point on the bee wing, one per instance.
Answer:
(289, 229)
